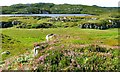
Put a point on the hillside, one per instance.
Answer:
(78, 43)
(74, 49)
(50, 8)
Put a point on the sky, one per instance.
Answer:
(102, 3)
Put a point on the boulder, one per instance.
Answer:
(6, 52)
(6, 24)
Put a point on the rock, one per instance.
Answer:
(96, 27)
(3, 52)
(108, 26)
(6, 52)
(6, 24)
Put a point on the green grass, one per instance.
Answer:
(84, 46)
(76, 49)
(28, 37)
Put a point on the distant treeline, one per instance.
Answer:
(50, 8)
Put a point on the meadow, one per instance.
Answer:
(82, 43)
(75, 49)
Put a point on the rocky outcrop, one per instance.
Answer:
(4, 24)
(113, 24)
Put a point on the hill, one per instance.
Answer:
(50, 8)
(81, 43)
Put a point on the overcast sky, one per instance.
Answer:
(103, 3)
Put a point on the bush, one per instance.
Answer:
(43, 25)
(28, 26)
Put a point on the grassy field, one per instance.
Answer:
(20, 41)
(82, 42)
(29, 36)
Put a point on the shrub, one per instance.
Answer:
(43, 25)
(28, 26)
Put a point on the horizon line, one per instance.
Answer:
(60, 3)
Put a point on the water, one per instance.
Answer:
(50, 15)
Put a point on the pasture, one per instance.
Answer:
(20, 41)
(82, 43)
